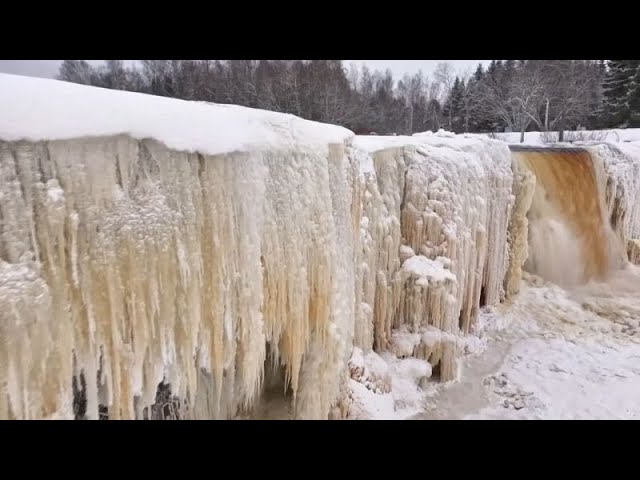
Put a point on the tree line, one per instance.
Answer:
(511, 95)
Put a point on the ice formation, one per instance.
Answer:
(158, 253)
(126, 264)
(435, 239)
(524, 183)
(622, 166)
(633, 250)
(153, 266)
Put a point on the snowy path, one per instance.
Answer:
(553, 355)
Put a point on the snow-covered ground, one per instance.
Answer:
(552, 354)
(540, 138)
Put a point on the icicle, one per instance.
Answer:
(159, 267)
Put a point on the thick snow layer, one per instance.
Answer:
(465, 142)
(578, 359)
(405, 380)
(427, 269)
(43, 109)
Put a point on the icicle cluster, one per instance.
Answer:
(621, 162)
(633, 251)
(524, 184)
(191, 277)
(434, 238)
(126, 265)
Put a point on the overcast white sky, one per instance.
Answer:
(49, 68)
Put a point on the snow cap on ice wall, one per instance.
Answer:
(132, 263)
(41, 109)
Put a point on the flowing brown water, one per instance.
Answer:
(570, 240)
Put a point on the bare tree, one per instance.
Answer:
(76, 71)
(566, 97)
(115, 75)
(517, 101)
(469, 94)
(444, 75)
(411, 90)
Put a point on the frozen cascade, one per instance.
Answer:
(145, 265)
(447, 200)
(159, 254)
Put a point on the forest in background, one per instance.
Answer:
(509, 95)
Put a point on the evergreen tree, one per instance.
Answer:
(615, 91)
(454, 105)
(479, 73)
(479, 119)
(633, 99)
(492, 69)
(433, 115)
(509, 70)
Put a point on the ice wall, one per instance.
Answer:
(622, 166)
(133, 264)
(434, 238)
(633, 250)
(524, 184)
(137, 265)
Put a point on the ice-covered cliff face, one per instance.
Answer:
(161, 258)
(434, 236)
(126, 264)
(132, 264)
(622, 166)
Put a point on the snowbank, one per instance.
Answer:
(616, 135)
(41, 109)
